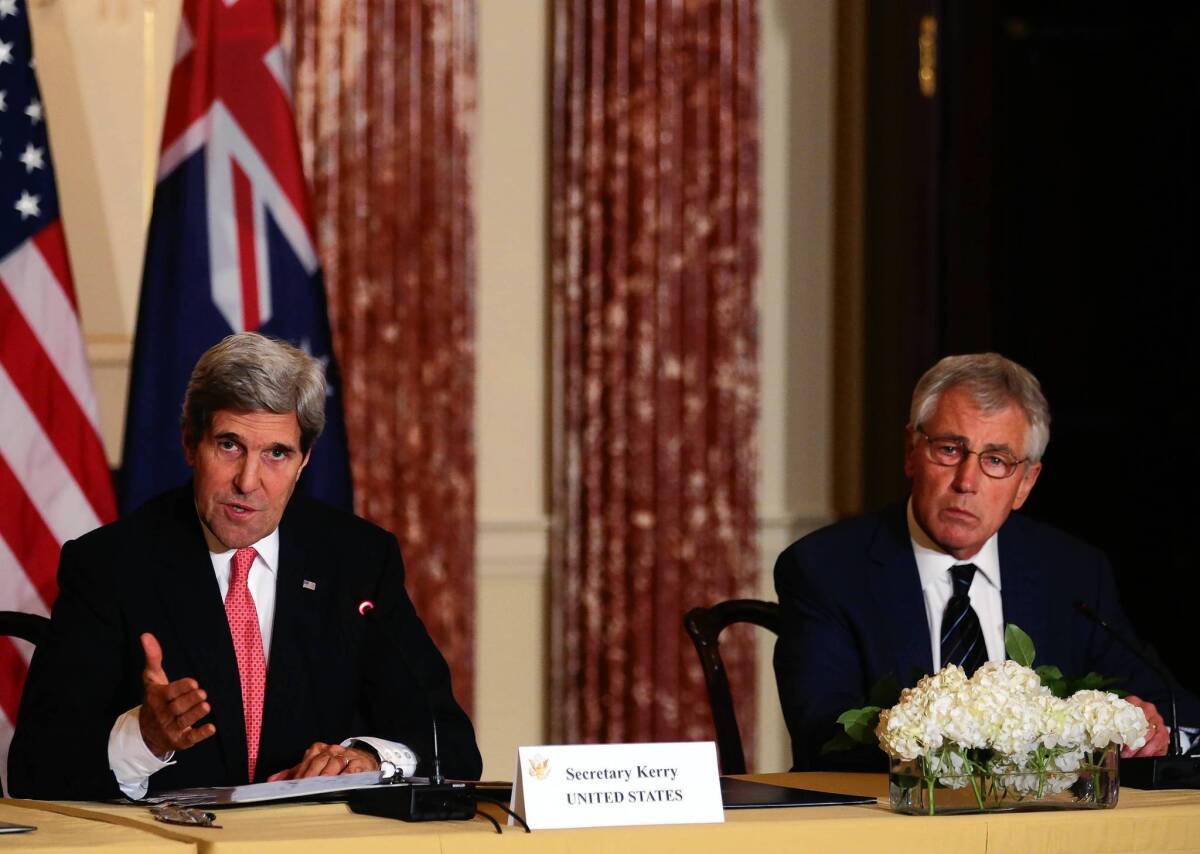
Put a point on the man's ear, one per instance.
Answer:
(304, 462)
(189, 452)
(1026, 485)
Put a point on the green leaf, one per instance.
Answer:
(1048, 672)
(838, 743)
(1052, 678)
(853, 716)
(860, 723)
(1095, 682)
(1018, 645)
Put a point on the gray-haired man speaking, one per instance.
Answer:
(230, 631)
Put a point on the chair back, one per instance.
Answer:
(30, 627)
(704, 627)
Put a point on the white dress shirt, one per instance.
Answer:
(132, 762)
(937, 586)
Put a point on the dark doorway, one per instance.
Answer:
(1043, 202)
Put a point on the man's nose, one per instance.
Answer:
(967, 474)
(247, 478)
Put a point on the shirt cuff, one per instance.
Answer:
(400, 755)
(131, 761)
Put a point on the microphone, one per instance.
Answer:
(1173, 771)
(412, 799)
(436, 778)
(1147, 657)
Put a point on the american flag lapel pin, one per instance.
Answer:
(309, 585)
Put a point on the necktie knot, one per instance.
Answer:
(964, 574)
(242, 561)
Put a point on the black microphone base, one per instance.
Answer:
(1161, 772)
(415, 802)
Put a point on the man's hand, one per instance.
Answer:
(170, 708)
(1158, 737)
(329, 760)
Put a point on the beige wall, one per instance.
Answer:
(105, 135)
(795, 304)
(510, 181)
(103, 66)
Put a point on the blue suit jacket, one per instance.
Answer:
(853, 613)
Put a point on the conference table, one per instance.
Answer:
(67, 832)
(1147, 821)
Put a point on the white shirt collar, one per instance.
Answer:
(267, 548)
(933, 563)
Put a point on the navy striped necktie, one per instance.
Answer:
(962, 636)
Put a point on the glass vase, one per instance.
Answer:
(971, 782)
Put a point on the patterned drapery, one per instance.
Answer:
(385, 103)
(654, 195)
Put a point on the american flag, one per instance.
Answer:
(54, 483)
(230, 246)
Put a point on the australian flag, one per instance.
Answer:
(230, 246)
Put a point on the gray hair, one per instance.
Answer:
(249, 372)
(993, 382)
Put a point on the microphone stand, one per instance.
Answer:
(1173, 771)
(416, 800)
(432, 799)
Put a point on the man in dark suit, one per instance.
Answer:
(229, 631)
(906, 591)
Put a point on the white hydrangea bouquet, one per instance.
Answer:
(1002, 739)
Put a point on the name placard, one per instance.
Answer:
(606, 785)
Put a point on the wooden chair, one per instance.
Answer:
(30, 627)
(704, 627)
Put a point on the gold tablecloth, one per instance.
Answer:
(57, 832)
(1166, 821)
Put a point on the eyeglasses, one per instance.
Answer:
(946, 451)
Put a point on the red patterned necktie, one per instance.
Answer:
(248, 646)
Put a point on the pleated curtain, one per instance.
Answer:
(654, 245)
(385, 103)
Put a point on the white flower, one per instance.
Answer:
(1005, 708)
(1069, 761)
(952, 768)
(1011, 678)
(1061, 723)
(1110, 720)
(928, 714)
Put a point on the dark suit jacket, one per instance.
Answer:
(332, 673)
(853, 613)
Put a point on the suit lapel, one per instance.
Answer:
(1020, 592)
(299, 592)
(192, 599)
(901, 605)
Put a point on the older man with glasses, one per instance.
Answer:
(934, 581)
